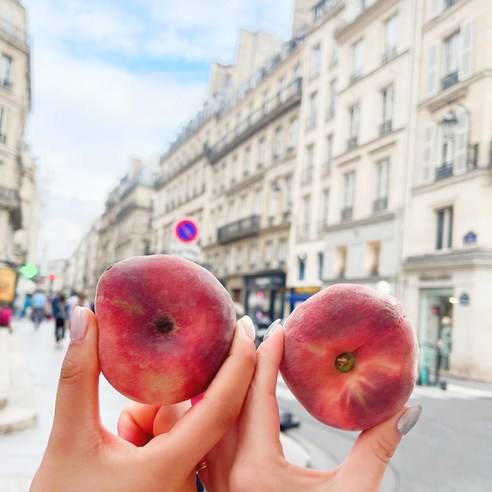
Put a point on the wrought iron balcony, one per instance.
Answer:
(347, 213)
(352, 142)
(380, 204)
(385, 127)
(389, 54)
(249, 226)
(10, 199)
(445, 170)
(449, 80)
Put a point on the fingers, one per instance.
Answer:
(136, 423)
(373, 449)
(209, 419)
(259, 425)
(77, 402)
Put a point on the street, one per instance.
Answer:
(448, 450)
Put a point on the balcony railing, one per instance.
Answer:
(352, 143)
(445, 170)
(385, 127)
(389, 54)
(239, 229)
(10, 199)
(274, 107)
(449, 80)
(380, 204)
(347, 213)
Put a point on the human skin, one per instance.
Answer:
(350, 356)
(83, 456)
(165, 327)
(250, 456)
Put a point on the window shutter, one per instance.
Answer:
(434, 8)
(466, 50)
(428, 162)
(433, 68)
(461, 143)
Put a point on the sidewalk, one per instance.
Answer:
(17, 404)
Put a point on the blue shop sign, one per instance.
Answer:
(470, 238)
(464, 299)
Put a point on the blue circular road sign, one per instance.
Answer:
(186, 230)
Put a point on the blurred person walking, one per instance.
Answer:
(38, 308)
(5, 316)
(59, 310)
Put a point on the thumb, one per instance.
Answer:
(373, 449)
(77, 402)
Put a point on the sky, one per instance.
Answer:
(118, 79)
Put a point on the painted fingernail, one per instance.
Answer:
(271, 328)
(409, 419)
(249, 327)
(78, 324)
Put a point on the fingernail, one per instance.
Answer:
(78, 323)
(271, 328)
(409, 419)
(249, 327)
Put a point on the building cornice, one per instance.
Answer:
(453, 259)
(352, 224)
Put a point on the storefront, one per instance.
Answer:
(264, 297)
(300, 294)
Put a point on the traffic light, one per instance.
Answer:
(51, 277)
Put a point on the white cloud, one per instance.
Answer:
(108, 84)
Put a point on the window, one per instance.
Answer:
(258, 205)
(451, 60)
(391, 35)
(273, 200)
(301, 266)
(261, 153)
(5, 70)
(373, 257)
(329, 155)
(315, 60)
(239, 259)
(266, 103)
(348, 195)
(313, 109)
(282, 93)
(243, 210)
(444, 233)
(325, 204)
(288, 194)
(246, 161)
(306, 214)
(268, 253)
(277, 143)
(293, 134)
(357, 60)
(340, 261)
(321, 260)
(282, 250)
(3, 124)
(251, 113)
(353, 116)
(307, 175)
(382, 185)
(253, 255)
(386, 110)
(333, 99)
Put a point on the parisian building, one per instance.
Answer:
(357, 151)
(19, 201)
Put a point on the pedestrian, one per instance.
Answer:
(220, 437)
(71, 302)
(59, 311)
(5, 316)
(38, 307)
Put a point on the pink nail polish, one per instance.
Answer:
(78, 324)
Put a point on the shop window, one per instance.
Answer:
(340, 261)
(301, 265)
(373, 257)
